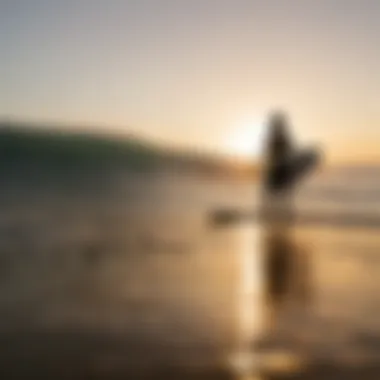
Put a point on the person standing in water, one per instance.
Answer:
(286, 267)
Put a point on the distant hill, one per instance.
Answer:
(30, 147)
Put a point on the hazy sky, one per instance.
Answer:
(197, 72)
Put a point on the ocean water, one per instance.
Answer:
(125, 273)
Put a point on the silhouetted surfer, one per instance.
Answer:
(285, 166)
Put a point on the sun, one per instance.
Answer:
(246, 140)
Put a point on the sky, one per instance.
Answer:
(198, 73)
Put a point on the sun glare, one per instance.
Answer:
(246, 140)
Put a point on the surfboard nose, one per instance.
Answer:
(286, 174)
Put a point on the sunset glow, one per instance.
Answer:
(247, 139)
(181, 72)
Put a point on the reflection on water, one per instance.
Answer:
(287, 270)
(275, 287)
(250, 301)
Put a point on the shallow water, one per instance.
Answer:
(133, 277)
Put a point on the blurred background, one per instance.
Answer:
(123, 126)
